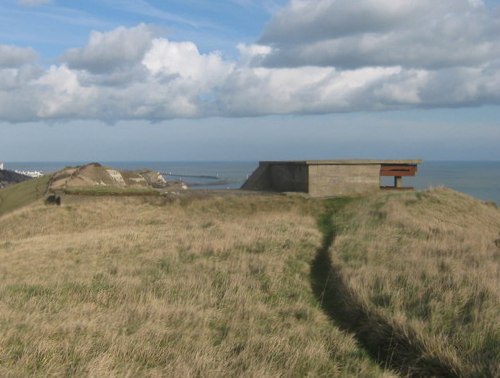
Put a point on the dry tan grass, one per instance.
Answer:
(429, 263)
(146, 287)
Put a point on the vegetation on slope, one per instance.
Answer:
(19, 195)
(416, 276)
(137, 286)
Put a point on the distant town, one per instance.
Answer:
(33, 174)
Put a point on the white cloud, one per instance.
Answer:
(417, 34)
(131, 73)
(183, 59)
(62, 95)
(253, 54)
(111, 51)
(122, 74)
(13, 56)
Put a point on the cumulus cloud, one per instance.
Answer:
(260, 91)
(111, 51)
(253, 54)
(417, 34)
(385, 56)
(13, 56)
(182, 59)
(126, 73)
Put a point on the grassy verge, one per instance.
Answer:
(420, 271)
(110, 191)
(140, 286)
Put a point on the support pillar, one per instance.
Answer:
(398, 181)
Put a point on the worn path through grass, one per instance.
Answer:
(390, 346)
(415, 277)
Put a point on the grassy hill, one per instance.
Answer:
(19, 195)
(402, 283)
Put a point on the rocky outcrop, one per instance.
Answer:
(94, 174)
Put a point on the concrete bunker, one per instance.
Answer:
(54, 199)
(323, 178)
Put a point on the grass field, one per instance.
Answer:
(400, 284)
(138, 286)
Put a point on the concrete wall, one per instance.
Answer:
(260, 179)
(319, 179)
(289, 177)
(286, 177)
(338, 180)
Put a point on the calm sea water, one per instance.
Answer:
(479, 179)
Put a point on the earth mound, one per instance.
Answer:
(96, 175)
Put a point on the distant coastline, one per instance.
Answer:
(480, 179)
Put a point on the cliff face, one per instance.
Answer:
(96, 175)
(10, 177)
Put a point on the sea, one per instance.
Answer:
(480, 179)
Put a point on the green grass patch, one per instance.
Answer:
(22, 194)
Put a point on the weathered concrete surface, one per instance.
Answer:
(289, 177)
(347, 162)
(279, 177)
(260, 179)
(339, 180)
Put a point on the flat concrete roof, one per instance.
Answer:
(344, 162)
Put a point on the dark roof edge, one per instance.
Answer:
(345, 162)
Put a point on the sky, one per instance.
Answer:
(247, 80)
